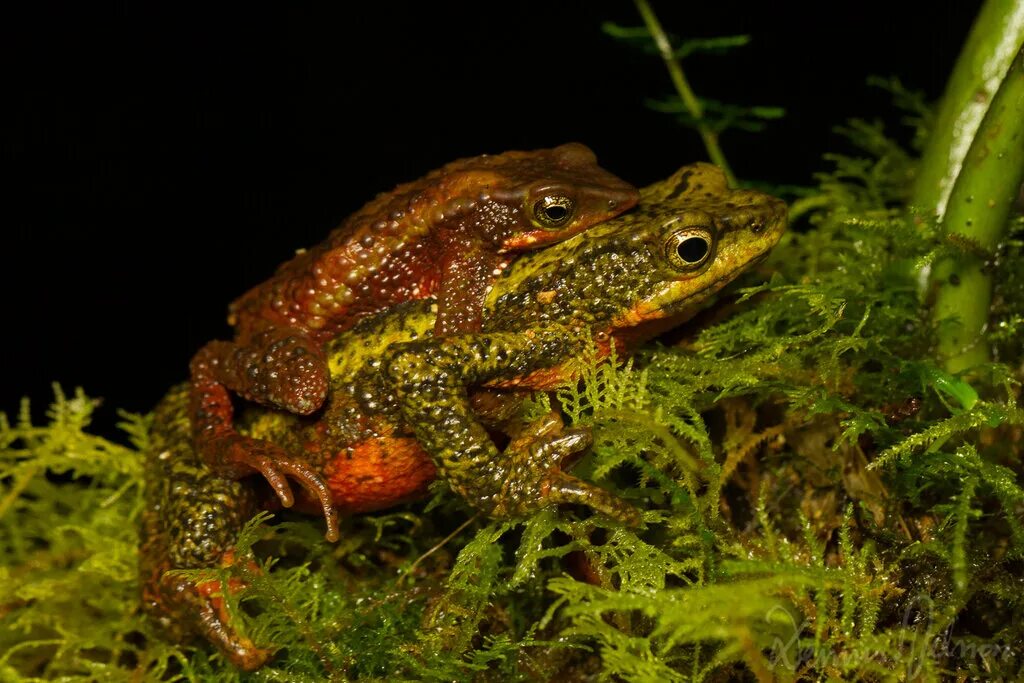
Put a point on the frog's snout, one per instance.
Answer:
(778, 217)
(763, 214)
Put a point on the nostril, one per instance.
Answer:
(757, 225)
(612, 203)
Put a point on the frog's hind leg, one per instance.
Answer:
(180, 605)
(220, 366)
(429, 378)
(191, 521)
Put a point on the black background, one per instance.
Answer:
(167, 156)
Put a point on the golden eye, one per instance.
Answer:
(688, 249)
(553, 211)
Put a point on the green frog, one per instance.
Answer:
(447, 235)
(403, 406)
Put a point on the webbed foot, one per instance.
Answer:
(536, 477)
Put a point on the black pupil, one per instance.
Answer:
(693, 249)
(556, 212)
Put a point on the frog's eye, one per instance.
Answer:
(553, 211)
(688, 249)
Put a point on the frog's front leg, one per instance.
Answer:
(280, 368)
(430, 379)
(465, 279)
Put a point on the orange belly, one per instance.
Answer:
(379, 473)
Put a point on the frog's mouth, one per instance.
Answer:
(759, 259)
(677, 299)
(667, 304)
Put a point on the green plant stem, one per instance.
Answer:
(983, 62)
(805, 205)
(17, 489)
(437, 546)
(690, 101)
(979, 209)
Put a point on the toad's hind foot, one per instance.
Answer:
(560, 487)
(204, 607)
(236, 455)
(191, 521)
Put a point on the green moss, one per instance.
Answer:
(821, 500)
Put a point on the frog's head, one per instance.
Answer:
(690, 236)
(699, 237)
(557, 193)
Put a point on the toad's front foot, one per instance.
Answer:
(536, 478)
(235, 455)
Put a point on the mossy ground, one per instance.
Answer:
(821, 500)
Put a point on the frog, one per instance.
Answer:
(402, 412)
(447, 235)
